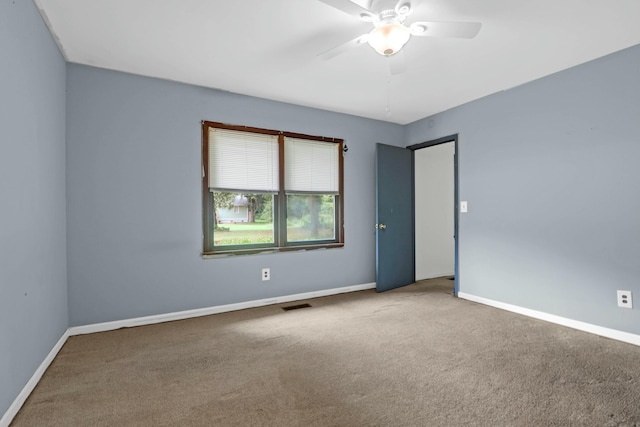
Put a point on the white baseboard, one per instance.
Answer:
(33, 382)
(575, 324)
(180, 315)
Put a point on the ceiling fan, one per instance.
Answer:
(390, 33)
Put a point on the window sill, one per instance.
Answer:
(264, 251)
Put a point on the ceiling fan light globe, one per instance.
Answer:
(388, 39)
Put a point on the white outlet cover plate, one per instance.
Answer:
(463, 206)
(624, 299)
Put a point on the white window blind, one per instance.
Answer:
(243, 161)
(311, 166)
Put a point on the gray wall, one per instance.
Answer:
(33, 304)
(134, 199)
(550, 171)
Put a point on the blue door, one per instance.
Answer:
(394, 217)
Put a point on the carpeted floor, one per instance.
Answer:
(416, 356)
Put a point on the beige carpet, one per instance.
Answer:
(416, 356)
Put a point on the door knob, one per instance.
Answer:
(381, 226)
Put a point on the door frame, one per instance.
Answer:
(450, 138)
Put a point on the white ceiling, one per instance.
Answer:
(269, 48)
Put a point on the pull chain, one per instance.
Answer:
(387, 109)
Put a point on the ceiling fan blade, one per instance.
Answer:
(353, 9)
(333, 52)
(397, 63)
(464, 30)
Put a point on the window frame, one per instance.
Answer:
(279, 204)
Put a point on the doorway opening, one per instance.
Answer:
(436, 209)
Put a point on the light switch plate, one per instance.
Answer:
(463, 206)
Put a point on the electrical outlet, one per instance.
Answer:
(266, 274)
(624, 299)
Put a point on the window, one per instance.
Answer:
(270, 190)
